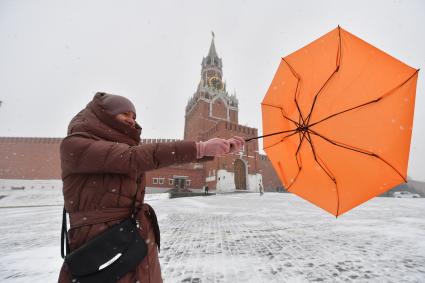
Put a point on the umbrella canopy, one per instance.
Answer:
(337, 121)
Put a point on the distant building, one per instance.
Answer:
(210, 112)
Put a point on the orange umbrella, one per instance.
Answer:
(337, 121)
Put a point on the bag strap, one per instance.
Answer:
(155, 226)
(135, 210)
(64, 235)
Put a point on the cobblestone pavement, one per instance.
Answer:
(280, 238)
(246, 238)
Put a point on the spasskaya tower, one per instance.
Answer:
(212, 112)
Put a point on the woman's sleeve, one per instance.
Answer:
(80, 154)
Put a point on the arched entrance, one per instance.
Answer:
(240, 174)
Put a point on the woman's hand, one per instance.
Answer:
(218, 146)
(236, 143)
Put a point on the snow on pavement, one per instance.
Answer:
(245, 238)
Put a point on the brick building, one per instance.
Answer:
(213, 112)
(210, 112)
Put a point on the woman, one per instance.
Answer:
(102, 162)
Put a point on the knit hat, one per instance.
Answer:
(116, 104)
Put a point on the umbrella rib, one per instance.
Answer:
(284, 138)
(300, 167)
(400, 85)
(296, 176)
(297, 90)
(301, 117)
(346, 110)
(325, 169)
(317, 94)
(339, 54)
(370, 102)
(352, 148)
(296, 157)
(338, 63)
(283, 115)
(301, 141)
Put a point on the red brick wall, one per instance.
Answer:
(234, 116)
(198, 121)
(219, 109)
(29, 158)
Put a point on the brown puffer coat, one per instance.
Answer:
(101, 160)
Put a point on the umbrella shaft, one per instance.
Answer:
(273, 134)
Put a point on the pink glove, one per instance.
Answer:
(212, 147)
(236, 143)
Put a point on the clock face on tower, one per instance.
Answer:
(215, 82)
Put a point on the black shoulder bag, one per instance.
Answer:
(108, 256)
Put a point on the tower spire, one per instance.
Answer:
(212, 53)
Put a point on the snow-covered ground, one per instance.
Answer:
(244, 238)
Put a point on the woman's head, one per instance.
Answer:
(120, 107)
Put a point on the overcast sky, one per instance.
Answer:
(55, 54)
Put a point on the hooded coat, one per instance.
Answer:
(101, 161)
